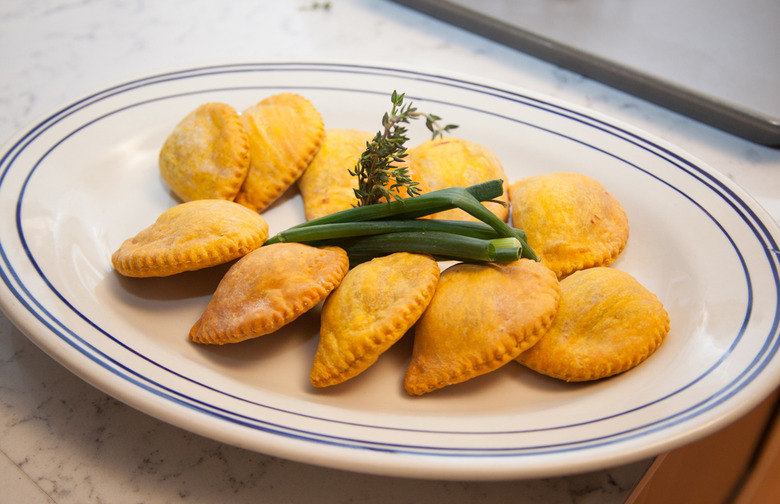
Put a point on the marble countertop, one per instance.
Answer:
(62, 440)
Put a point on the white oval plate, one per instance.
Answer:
(76, 184)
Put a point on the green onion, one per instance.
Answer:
(396, 226)
(365, 228)
(443, 246)
(417, 206)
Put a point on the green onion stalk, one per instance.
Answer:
(380, 229)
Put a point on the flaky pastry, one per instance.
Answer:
(191, 236)
(375, 305)
(285, 132)
(572, 222)
(206, 156)
(267, 289)
(327, 186)
(452, 162)
(481, 317)
(607, 323)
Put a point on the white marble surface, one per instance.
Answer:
(66, 442)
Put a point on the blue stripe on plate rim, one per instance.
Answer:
(702, 175)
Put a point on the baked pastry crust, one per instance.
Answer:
(206, 156)
(267, 289)
(375, 305)
(191, 236)
(607, 323)
(571, 221)
(285, 132)
(327, 186)
(481, 317)
(454, 162)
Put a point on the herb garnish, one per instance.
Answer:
(380, 179)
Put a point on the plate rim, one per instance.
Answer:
(759, 214)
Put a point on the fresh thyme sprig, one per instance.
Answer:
(380, 179)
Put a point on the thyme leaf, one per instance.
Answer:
(380, 171)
